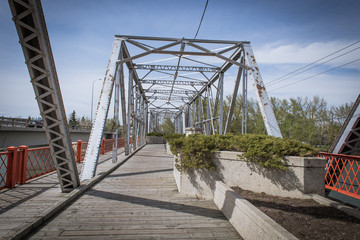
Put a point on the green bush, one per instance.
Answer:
(156, 134)
(171, 136)
(197, 150)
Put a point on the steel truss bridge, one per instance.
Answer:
(187, 87)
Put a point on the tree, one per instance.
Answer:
(73, 121)
(168, 126)
(305, 119)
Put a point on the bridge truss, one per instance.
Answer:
(31, 28)
(187, 87)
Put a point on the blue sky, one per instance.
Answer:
(285, 35)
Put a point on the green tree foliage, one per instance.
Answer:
(167, 126)
(110, 125)
(73, 121)
(309, 120)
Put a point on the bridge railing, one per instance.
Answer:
(342, 174)
(20, 164)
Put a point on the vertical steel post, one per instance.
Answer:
(147, 116)
(120, 74)
(244, 107)
(194, 114)
(116, 115)
(221, 89)
(183, 122)
(233, 99)
(130, 89)
(135, 118)
(200, 112)
(208, 111)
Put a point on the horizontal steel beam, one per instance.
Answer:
(176, 68)
(191, 83)
(188, 53)
(167, 98)
(168, 91)
(125, 37)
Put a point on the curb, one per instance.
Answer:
(327, 202)
(23, 230)
(249, 221)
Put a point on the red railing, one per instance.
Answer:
(17, 165)
(4, 156)
(342, 174)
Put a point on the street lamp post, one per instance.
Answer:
(92, 99)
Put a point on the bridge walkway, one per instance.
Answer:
(138, 200)
(26, 206)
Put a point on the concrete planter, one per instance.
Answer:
(155, 140)
(249, 221)
(168, 151)
(304, 175)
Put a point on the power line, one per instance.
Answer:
(207, 1)
(273, 83)
(316, 61)
(316, 74)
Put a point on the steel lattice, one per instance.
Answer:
(343, 174)
(3, 168)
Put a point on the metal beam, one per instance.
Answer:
(348, 140)
(93, 149)
(244, 107)
(169, 91)
(173, 68)
(233, 99)
(187, 83)
(267, 112)
(125, 37)
(31, 28)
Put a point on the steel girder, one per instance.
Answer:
(160, 82)
(196, 101)
(93, 148)
(31, 28)
(348, 140)
(267, 112)
(176, 68)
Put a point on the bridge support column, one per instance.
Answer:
(30, 24)
(92, 151)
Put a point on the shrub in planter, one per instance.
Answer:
(171, 136)
(197, 150)
(156, 134)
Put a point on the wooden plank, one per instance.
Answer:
(140, 200)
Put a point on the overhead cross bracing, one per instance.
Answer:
(188, 77)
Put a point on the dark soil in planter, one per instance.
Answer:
(305, 219)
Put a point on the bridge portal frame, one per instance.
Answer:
(192, 102)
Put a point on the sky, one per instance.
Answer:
(285, 36)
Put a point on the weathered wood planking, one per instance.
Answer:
(139, 200)
(25, 203)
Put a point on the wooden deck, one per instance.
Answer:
(139, 200)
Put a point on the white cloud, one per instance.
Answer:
(298, 53)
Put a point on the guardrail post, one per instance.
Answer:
(12, 165)
(22, 164)
(79, 151)
(102, 151)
